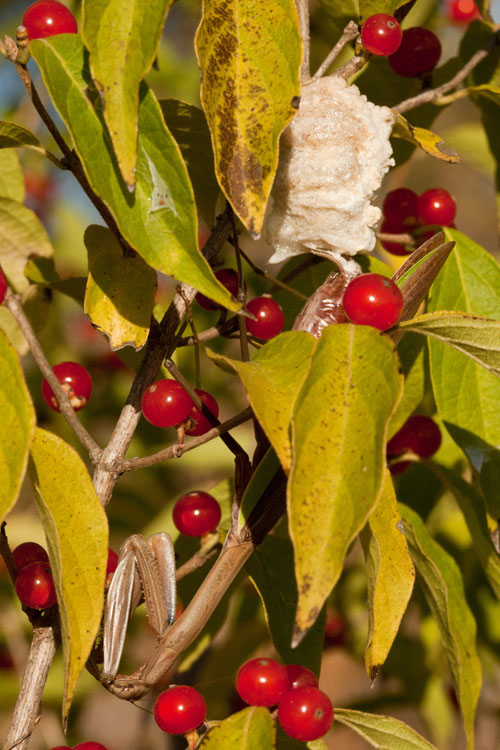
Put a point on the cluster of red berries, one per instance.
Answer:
(34, 583)
(166, 404)
(304, 712)
(269, 318)
(420, 435)
(405, 211)
(412, 53)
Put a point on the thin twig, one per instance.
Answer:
(13, 303)
(28, 706)
(71, 160)
(352, 66)
(402, 239)
(350, 32)
(198, 560)
(176, 451)
(228, 440)
(303, 13)
(277, 282)
(242, 291)
(220, 329)
(196, 340)
(431, 94)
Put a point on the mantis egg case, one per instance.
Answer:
(333, 156)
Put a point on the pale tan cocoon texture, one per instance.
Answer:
(333, 156)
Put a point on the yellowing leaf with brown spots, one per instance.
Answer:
(339, 428)
(76, 528)
(249, 52)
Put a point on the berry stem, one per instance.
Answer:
(13, 303)
(28, 705)
(431, 94)
(350, 33)
(228, 440)
(403, 239)
(277, 282)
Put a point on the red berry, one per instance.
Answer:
(200, 422)
(262, 682)
(196, 513)
(299, 676)
(29, 552)
(305, 713)
(166, 403)
(463, 11)
(112, 562)
(47, 18)
(270, 318)
(89, 746)
(75, 380)
(381, 34)
(373, 300)
(419, 434)
(400, 207)
(228, 278)
(419, 52)
(3, 286)
(35, 586)
(180, 709)
(395, 248)
(335, 629)
(436, 206)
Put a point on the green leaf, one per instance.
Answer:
(472, 335)
(189, 128)
(427, 140)
(444, 590)
(339, 429)
(412, 353)
(471, 504)
(13, 136)
(247, 94)
(249, 729)
(271, 571)
(272, 380)
(16, 426)
(390, 577)
(159, 219)
(21, 235)
(284, 742)
(382, 732)
(120, 290)
(467, 395)
(76, 528)
(123, 39)
(11, 176)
